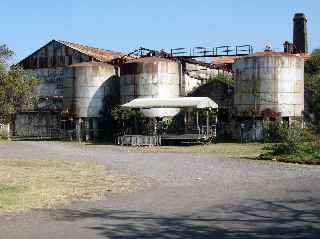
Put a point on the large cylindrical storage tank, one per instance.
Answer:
(151, 77)
(269, 84)
(85, 87)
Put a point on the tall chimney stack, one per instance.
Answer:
(300, 34)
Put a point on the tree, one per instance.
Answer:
(312, 88)
(16, 87)
(225, 78)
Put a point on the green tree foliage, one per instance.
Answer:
(292, 144)
(287, 138)
(225, 78)
(312, 66)
(118, 120)
(127, 119)
(16, 87)
(312, 85)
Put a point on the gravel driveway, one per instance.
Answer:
(181, 196)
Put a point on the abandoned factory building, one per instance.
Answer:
(77, 80)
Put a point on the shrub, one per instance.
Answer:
(275, 132)
(292, 144)
(288, 138)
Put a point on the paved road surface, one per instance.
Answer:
(183, 196)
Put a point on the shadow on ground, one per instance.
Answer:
(252, 219)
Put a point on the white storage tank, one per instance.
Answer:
(85, 87)
(151, 77)
(269, 84)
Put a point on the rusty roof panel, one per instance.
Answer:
(97, 53)
(222, 60)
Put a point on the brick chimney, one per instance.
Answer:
(300, 34)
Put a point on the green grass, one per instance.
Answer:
(230, 149)
(9, 195)
(27, 184)
(306, 153)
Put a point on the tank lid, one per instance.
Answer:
(274, 54)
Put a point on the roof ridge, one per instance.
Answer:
(99, 54)
(80, 44)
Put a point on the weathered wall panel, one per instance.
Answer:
(48, 64)
(36, 125)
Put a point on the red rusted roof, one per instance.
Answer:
(222, 60)
(97, 53)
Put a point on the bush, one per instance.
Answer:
(288, 138)
(293, 144)
(283, 148)
(225, 78)
(275, 132)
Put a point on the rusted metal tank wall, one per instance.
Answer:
(86, 86)
(151, 78)
(269, 84)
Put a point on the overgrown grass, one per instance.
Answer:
(27, 184)
(305, 153)
(228, 148)
(293, 144)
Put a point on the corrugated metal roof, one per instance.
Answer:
(178, 102)
(97, 53)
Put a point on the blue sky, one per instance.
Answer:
(126, 25)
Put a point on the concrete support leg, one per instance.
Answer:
(207, 123)
(87, 129)
(95, 128)
(155, 126)
(78, 129)
(8, 132)
(198, 127)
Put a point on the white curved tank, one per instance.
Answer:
(86, 86)
(151, 77)
(269, 84)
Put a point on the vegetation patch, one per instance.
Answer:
(292, 145)
(306, 153)
(228, 148)
(28, 184)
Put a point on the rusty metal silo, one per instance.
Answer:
(269, 85)
(151, 77)
(85, 87)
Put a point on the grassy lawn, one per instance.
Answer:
(27, 184)
(231, 149)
